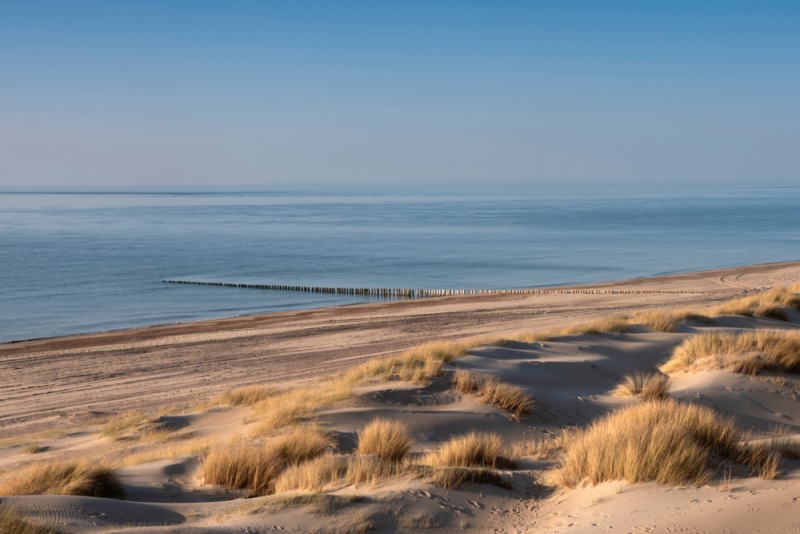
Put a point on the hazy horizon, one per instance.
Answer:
(171, 95)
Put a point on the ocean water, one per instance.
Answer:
(86, 262)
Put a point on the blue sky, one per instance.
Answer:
(201, 94)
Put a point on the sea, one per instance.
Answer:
(96, 261)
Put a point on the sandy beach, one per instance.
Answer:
(59, 394)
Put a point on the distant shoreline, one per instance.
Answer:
(376, 299)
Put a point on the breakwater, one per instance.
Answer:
(384, 292)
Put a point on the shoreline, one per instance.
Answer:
(70, 380)
(385, 300)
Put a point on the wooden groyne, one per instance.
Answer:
(383, 292)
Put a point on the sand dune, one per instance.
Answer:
(159, 459)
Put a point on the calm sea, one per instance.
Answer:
(74, 263)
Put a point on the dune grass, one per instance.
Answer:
(418, 364)
(136, 426)
(603, 325)
(339, 470)
(462, 461)
(476, 449)
(63, 478)
(123, 425)
(294, 405)
(245, 396)
(383, 447)
(13, 523)
(255, 466)
(662, 440)
(490, 391)
(388, 440)
(748, 352)
(668, 320)
(772, 303)
(647, 385)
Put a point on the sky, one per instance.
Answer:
(194, 94)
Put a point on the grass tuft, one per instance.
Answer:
(603, 325)
(292, 406)
(647, 385)
(471, 450)
(333, 469)
(388, 440)
(668, 321)
(245, 396)
(662, 440)
(123, 425)
(504, 396)
(745, 352)
(64, 478)
(772, 303)
(419, 364)
(255, 467)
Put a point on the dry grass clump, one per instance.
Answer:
(300, 445)
(504, 396)
(313, 475)
(745, 352)
(335, 469)
(388, 440)
(771, 303)
(476, 449)
(419, 364)
(613, 325)
(666, 441)
(135, 425)
(452, 466)
(256, 466)
(292, 406)
(461, 477)
(64, 478)
(12, 523)
(123, 425)
(785, 447)
(763, 458)
(245, 396)
(668, 321)
(647, 385)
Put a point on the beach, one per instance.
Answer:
(59, 392)
(169, 365)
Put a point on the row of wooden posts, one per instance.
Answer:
(418, 293)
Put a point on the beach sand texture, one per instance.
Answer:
(57, 395)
